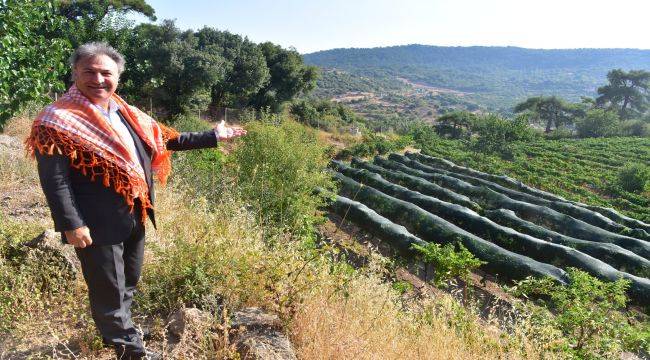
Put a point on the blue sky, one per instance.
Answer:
(320, 25)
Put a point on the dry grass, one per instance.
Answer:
(366, 321)
(19, 126)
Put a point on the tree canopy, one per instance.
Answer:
(188, 70)
(289, 76)
(627, 92)
(551, 110)
(99, 20)
(31, 56)
(455, 124)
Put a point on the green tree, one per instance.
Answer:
(31, 55)
(455, 124)
(598, 123)
(87, 18)
(171, 70)
(496, 134)
(551, 110)
(627, 92)
(289, 77)
(245, 70)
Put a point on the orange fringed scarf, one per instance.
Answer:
(75, 128)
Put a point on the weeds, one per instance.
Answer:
(587, 320)
(448, 262)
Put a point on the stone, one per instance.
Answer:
(254, 333)
(264, 344)
(49, 241)
(254, 318)
(630, 356)
(258, 335)
(184, 319)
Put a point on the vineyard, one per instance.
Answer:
(516, 230)
(579, 170)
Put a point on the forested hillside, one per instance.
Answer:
(493, 77)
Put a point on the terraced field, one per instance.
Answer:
(516, 229)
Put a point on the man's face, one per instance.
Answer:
(97, 77)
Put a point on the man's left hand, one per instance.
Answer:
(225, 132)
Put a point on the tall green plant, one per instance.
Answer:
(588, 313)
(278, 164)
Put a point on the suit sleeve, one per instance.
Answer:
(54, 174)
(193, 140)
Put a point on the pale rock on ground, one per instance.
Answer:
(50, 242)
(259, 336)
(255, 334)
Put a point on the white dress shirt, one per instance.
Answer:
(116, 123)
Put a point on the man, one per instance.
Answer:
(96, 159)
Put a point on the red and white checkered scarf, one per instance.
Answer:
(75, 128)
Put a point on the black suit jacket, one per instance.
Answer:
(75, 200)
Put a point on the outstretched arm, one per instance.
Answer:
(193, 140)
(205, 139)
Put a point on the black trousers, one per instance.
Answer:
(112, 273)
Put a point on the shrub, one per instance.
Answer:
(323, 114)
(424, 136)
(496, 134)
(634, 177)
(186, 122)
(200, 170)
(635, 128)
(449, 262)
(374, 144)
(588, 313)
(277, 169)
(598, 123)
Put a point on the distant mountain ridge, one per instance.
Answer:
(499, 76)
(509, 57)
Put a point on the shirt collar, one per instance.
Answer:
(112, 106)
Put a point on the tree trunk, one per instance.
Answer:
(626, 100)
(549, 124)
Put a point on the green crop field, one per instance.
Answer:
(584, 170)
